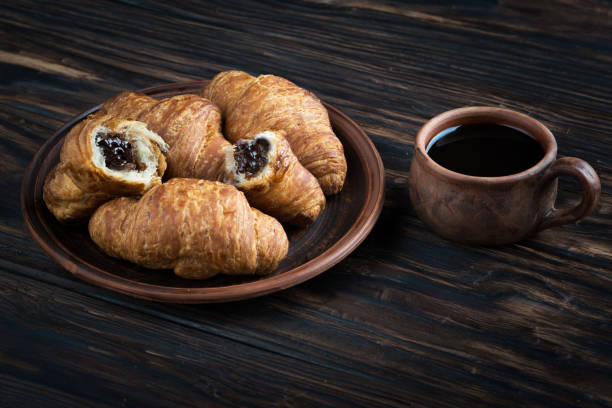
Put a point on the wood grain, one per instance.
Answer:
(408, 319)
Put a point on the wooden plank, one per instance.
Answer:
(87, 349)
(399, 324)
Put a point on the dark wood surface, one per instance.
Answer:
(408, 319)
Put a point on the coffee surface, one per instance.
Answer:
(485, 150)
(118, 152)
(251, 156)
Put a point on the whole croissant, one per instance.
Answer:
(190, 124)
(102, 158)
(273, 180)
(198, 228)
(252, 105)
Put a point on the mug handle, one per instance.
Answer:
(591, 188)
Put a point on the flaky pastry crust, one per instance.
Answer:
(283, 188)
(198, 228)
(190, 124)
(81, 181)
(251, 105)
(127, 105)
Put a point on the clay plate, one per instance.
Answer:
(346, 221)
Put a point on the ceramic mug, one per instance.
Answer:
(495, 210)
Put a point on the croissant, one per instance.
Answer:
(103, 158)
(190, 124)
(273, 180)
(252, 105)
(199, 228)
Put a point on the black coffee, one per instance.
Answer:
(485, 150)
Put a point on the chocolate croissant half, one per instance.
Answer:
(190, 124)
(103, 158)
(273, 180)
(199, 228)
(251, 105)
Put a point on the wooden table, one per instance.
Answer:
(408, 319)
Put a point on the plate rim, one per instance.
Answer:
(339, 250)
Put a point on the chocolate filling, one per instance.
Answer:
(118, 152)
(251, 156)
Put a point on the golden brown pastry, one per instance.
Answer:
(190, 124)
(252, 105)
(273, 180)
(199, 228)
(103, 158)
(127, 105)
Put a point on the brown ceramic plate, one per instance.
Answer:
(344, 224)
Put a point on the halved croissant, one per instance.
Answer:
(252, 105)
(190, 124)
(198, 228)
(273, 180)
(103, 158)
